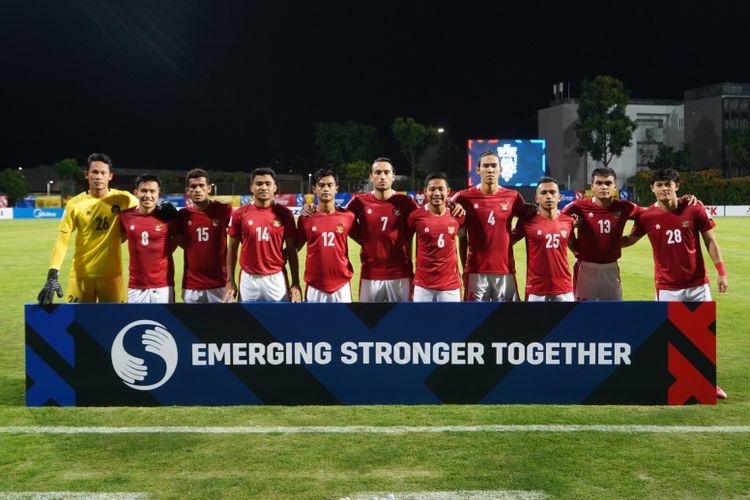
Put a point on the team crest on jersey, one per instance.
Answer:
(451, 229)
(215, 222)
(563, 233)
(508, 161)
(504, 205)
(339, 228)
(115, 209)
(396, 212)
(685, 223)
(276, 223)
(419, 197)
(617, 215)
(157, 227)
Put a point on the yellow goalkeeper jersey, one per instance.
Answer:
(96, 220)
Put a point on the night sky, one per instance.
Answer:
(235, 85)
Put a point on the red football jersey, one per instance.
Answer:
(327, 265)
(204, 240)
(151, 264)
(675, 242)
(600, 230)
(547, 268)
(437, 260)
(263, 232)
(386, 250)
(488, 224)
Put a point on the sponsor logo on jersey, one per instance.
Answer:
(476, 205)
(658, 226)
(369, 211)
(314, 229)
(144, 373)
(427, 230)
(591, 214)
(250, 222)
(339, 228)
(116, 209)
(132, 227)
(190, 223)
(538, 232)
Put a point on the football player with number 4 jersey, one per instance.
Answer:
(203, 227)
(436, 278)
(548, 277)
(487, 256)
(327, 266)
(151, 242)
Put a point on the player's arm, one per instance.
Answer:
(709, 238)
(518, 232)
(290, 247)
(52, 286)
(230, 289)
(629, 240)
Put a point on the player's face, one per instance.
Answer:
(603, 187)
(263, 187)
(437, 192)
(547, 195)
(198, 189)
(382, 175)
(489, 169)
(98, 176)
(147, 194)
(326, 188)
(665, 190)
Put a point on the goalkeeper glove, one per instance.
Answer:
(165, 211)
(52, 286)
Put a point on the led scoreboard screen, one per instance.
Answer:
(523, 161)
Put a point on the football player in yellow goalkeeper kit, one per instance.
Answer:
(96, 274)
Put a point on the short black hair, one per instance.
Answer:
(489, 152)
(603, 172)
(547, 179)
(99, 157)
(195, 174)
(436, 175)
(325, 172)
(147, 178)
(384, 160)
(666, 174)
(262, 171)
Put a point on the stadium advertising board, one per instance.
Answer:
(290, 354)
(6, 213)
(38, 213)
(523, 161)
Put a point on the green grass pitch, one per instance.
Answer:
(573, 465)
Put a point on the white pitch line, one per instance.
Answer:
(362, 429)
(70, 495)
(452, 495)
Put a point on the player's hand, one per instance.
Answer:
(723, 283)
(690, 200)
(230, 292)
(457, 210)
(576, 220)
(530, 209)
(51, 287)
(295, 293)
(165, 211)
(307, 210)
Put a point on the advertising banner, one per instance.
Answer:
(411, 353)
(38, 213)
(6, 213)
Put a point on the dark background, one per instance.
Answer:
(233, 85)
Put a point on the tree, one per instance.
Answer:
(70, 174)
(342, 143)
(738, 150)
(13, 183)
(603, 128)
(669, 157)
(414, 138)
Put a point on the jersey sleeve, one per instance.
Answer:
(234, 229)
(519, 232)
(571, 208)
(519, 206)
(302, 232)
(634, 210)
(290, 228)
(638, 229)
(703, 221)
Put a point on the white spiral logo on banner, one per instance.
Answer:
(133, 370)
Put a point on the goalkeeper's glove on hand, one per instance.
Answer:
(165, 211)
(52, 286)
